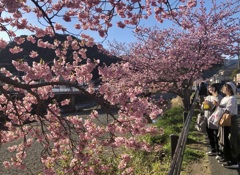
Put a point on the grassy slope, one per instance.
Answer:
(194, 155)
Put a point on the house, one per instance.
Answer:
(225, 73)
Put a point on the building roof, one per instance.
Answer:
(231, 64)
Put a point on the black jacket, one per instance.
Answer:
(235, 137)
(203, 89)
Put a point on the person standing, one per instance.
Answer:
(228, 103)
(208, 107)
(203, 91)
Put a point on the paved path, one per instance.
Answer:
(217, 169)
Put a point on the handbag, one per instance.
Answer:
(201, 123)
(206, 106)
(225, 119)
(213, 120)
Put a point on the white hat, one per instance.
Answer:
(233, 87)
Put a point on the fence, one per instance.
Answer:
(179, 148)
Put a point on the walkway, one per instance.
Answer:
(217, 169)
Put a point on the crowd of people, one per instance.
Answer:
(224, 140)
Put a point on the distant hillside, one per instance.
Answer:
(48, 54)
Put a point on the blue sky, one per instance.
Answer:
(126, 34)
(119, 34)
(115, 33)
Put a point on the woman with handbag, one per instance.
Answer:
(229, 104)
(208, 107)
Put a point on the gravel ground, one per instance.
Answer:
(33, 163)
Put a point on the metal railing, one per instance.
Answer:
(175, 167)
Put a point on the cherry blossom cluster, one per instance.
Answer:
(12, 6)
(170, 60)
(161, 60)
(91, 15)
(61, 131)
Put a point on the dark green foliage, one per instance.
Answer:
(192, 155)
(172, 116)
(235, 72)
(171, 122)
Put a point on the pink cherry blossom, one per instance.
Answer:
(19, 40)
(65, 102)
(31, 38)
(33, 54)
(15, 50)
(6, 164)
(161, 60)
(3, 43)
